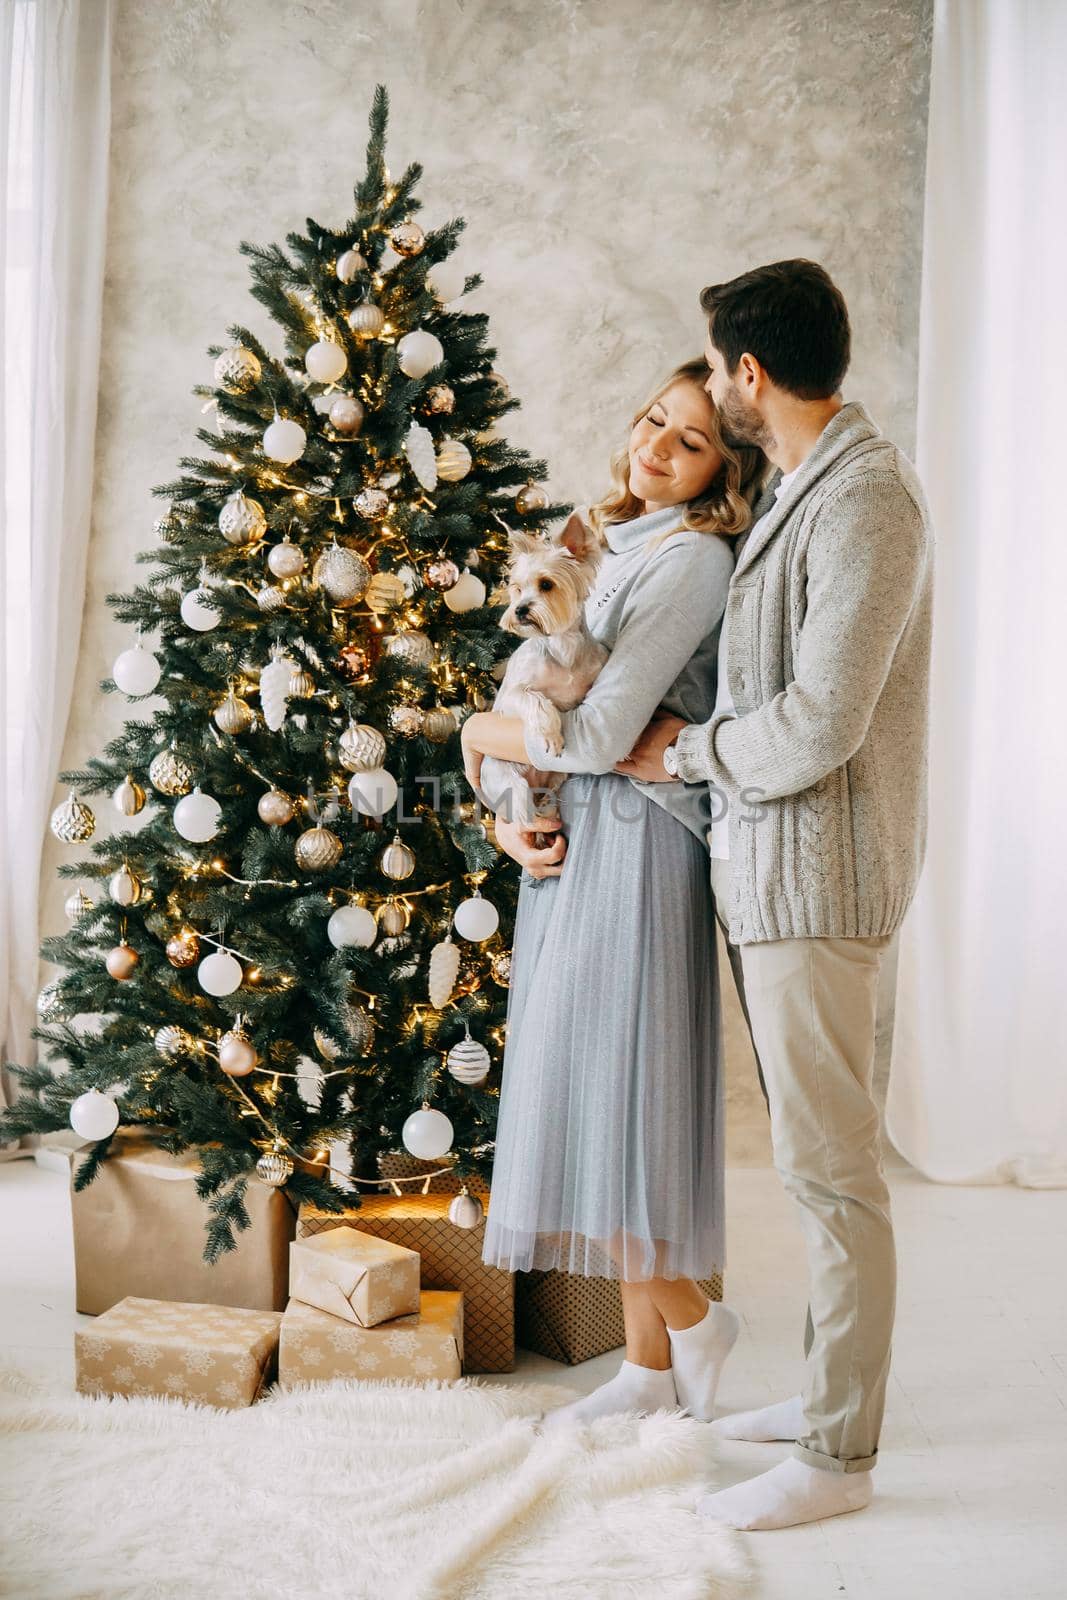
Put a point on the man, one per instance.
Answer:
(816, 754)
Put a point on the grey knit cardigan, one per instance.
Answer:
(824, 765)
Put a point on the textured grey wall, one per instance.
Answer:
(610, 158)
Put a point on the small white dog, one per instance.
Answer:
(554, 667)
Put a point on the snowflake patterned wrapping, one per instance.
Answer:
(317, 1347)
(214, 1355)
(355, 1276)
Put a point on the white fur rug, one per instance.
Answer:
(352, 1492)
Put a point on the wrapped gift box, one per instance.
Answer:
(451, 1259)
(319, 1348)
(139, 1230)
(356, 1276)
(573, 1319)
(218, 1355)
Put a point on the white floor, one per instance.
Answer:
(971, 1499)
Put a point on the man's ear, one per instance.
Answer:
(576, 536)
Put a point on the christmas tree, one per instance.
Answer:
(300, 961)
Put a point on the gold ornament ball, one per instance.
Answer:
(78, 905)
(233, 715)
(398, 862)
(407, 238)
(353, 660)
(169, 774)
(301, 685)
(384, 591)
(393, 917)
(414, 649)
(372, 504)
(237, 1054)
(439, 724)
(361, 748)
(274, 1168)
(442, 574)
(73, 821)
(237, 369)
(286, 559)
(349, 265)
(122, 961)
(453, 460)
(275, 808)
(241, 520)
(440, 400)
(183, 948)
(366, 321)
(406, 720)
(129, 797)
(531, 498)
(317, 850)
(125, 887)
(346, 415)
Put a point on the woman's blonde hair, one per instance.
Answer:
(726, 504)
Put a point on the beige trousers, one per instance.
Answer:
(811, 1006)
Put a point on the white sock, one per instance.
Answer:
(697, 1357)
(785, 1420)
(633, 1388)
(791, 1493)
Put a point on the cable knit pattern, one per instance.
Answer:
(824, 765)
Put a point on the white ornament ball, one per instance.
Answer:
(284, 441)
(453, 460)
(275, 808)
(197, 611)
(468, 1062)
(78, 905)
(136, 671)
(197, 816)
(427, 1134)
(447, 280)
(367, 320)
(238, 1056)
(286, 560)
(466, 595)
(219, 973)
(465, 1211)
(373, 793)
(325, 361)
(349, 265)
(351, 925)
(94, 1115)
(476, 919)
(419, 352)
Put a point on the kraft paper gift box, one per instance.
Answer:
(451, 1259)
(139, 1229)
(356, 1276)
(572, 1319)
(319, 1348)
(218, 1355)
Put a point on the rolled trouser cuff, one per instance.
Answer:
(825, 1463)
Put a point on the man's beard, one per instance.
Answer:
(742, 424)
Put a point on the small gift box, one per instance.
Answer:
(356, 1276)
(219, 1355)
(317, 1347)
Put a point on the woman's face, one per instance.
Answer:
(672, 458)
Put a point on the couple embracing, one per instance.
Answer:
(764, 589)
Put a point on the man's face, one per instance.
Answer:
(741, 423)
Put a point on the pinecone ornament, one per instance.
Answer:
(444, 970)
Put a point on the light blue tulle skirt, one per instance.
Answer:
(609, 1152)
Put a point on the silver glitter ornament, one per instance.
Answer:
(406, 720)
(342, 573)
(440, 400)
(372, 504)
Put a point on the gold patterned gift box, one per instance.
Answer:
(319, 1348)
(218, 1355)
(356, 1276)
(574, 1319)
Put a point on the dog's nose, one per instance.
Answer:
(523, 611)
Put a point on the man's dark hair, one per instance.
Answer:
(792, 318)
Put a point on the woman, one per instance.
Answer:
(610, 1135)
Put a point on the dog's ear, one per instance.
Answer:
(521, 543)
(576, 537)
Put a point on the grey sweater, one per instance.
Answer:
(828, 647)
(658, 613)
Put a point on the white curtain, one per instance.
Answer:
(978, 1090)
(54, 126)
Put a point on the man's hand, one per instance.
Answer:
(520, 845)
(646, 758)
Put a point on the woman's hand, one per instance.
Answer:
(520, 844)
(472, 760)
